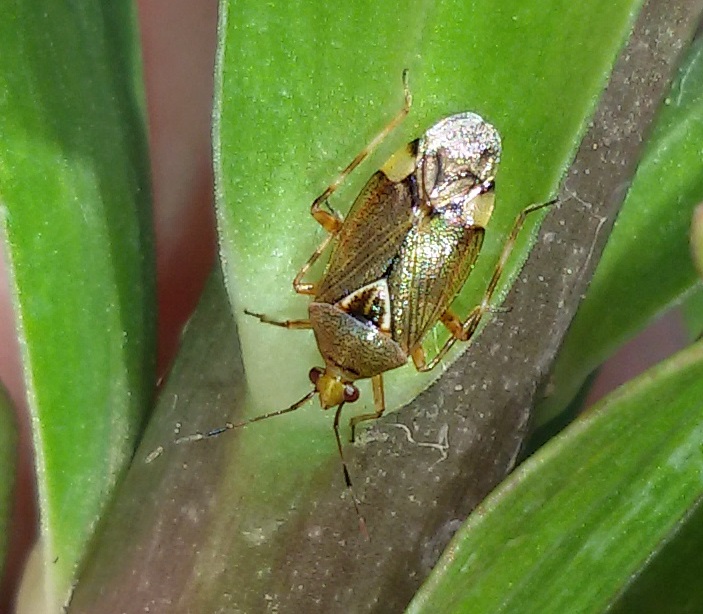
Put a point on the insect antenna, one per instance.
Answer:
(347, 477)
(199, 436)
(235, 425)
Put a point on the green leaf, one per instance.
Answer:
(671, 581)
(283, 133)
(75, 211)
(575, 523)
(8, 454)
(646, 266)
(289, 117)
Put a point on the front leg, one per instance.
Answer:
(299, 285)
(330, 220)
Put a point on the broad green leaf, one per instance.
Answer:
(577, 523)
(8, 454)
(671, 580)
(646, 266)
(75, 212)
(283, 118)
(301, 89)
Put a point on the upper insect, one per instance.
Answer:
(402, 253)
(398, 260)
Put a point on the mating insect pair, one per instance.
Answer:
(398, 260)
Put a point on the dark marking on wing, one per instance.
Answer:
(370, 304)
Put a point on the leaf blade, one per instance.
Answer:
(594, 503)
(75, 203)
(646, 266)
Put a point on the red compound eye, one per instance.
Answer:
(351, 393)
(315, 374)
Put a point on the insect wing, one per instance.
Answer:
(433, 264)
(361, 350)
(369, 239)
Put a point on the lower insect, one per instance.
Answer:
(397, 262)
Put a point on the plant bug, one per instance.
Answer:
(397, 262)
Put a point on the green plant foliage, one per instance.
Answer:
(575, 525)
(646, 266)
(75, 212)
(289, 117)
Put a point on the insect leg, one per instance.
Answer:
(345, 470)
(331, 221)
(283, 323)
(316, 209)
(378, 401)
(418, 356)
(463, 331)
(310, 288)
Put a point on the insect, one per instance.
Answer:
(397, 262)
